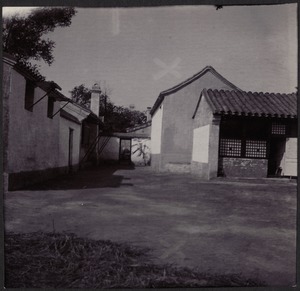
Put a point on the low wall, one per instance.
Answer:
(241, 167)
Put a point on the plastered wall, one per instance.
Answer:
(65, 126)
(32, 137)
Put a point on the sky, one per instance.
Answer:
(139, 52)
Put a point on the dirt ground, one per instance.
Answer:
(220, 226)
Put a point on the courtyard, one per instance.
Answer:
(245, 226)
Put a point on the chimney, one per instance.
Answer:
(148, 115)
(95, 99)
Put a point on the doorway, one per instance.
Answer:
(125, 151)
(276, 157)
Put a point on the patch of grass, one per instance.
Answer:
(62, 260)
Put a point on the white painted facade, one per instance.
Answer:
(64, 131)
(156, 131)
(200, 151)
(290, 157)
(32, 137)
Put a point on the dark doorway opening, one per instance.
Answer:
(125, 151)
(276, 153)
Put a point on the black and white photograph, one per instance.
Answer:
(150, 147)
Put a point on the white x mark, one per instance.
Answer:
(173, 248)
(115, 21)
(171, 69)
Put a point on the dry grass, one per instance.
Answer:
(61, 260)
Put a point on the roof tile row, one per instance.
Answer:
(252, 103)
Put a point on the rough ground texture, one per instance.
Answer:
(63, 260)
(220, 226)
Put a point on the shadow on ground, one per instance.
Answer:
(97, 177)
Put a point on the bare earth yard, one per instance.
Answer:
(220, 226)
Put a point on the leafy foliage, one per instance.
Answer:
(116, 118)
(81, 95)
(23, 35)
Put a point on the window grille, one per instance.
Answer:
(278, 128)
(256, 149)
(230, 147)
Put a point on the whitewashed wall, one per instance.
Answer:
(290, 157)
(156, 131)
(201, 144)
(65, 125)
(140, 151)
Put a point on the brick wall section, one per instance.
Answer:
(238, 167)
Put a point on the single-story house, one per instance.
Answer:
(172, 123)
(44, 133)
(209, 127)
(76, 124)
(244, 134)
(30, 129)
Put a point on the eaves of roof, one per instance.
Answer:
(129, 135)
(51, 87)
(141, 126)
(69, 116)
(188, 81)
(251, 104)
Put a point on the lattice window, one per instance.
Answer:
(278, 128)
(256, 149)
(230, 147)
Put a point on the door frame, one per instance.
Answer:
(120, 149)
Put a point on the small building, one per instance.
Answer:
(209, 127)
(172, 123)
(244, 134)
(30, 129)
(76, 124)
(44, 133)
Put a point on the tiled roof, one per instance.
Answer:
(252, 103)
(188, 81)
